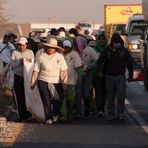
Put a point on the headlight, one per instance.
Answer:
(133, 46)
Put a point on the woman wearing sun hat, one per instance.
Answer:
(50, 73)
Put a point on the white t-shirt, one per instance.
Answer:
(50, 67)
(6, 53)
(74, 61)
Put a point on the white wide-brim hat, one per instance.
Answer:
(52, 42)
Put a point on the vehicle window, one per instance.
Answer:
(137, 30)
(119, 28)
(135, 23)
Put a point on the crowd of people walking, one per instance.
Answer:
(70, 70)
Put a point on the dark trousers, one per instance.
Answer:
(20, 96)
(99, 85)
(87, 91)
(51, 107)
(78, 99)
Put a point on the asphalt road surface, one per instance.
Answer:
(92, 132)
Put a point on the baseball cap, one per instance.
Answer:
(22, 40)
(67, 43)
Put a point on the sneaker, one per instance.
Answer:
(121, 117)
(100, 114)
(55, 118)
(49, 121)
(110, 118)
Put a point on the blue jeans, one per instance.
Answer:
(84, 91)
(115, 88)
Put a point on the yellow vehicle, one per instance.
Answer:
(117, 27)
(119, 14)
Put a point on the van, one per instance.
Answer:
(134, 19)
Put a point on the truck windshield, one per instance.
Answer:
(119, 28)
(138, 29)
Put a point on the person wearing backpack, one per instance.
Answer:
(6, 49)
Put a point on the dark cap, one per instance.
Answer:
(8, 34)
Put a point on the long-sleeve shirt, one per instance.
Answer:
(89, 58)
(16, 65)
(6, 53)
(73, 61)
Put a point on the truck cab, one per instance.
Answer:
(133, 31)
(132, 41)
(134, 19)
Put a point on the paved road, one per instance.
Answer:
(138, 98)
(93, 132)
(89, 132)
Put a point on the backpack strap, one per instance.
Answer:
(4, 48)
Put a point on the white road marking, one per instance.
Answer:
(141, 83)
(136, 115)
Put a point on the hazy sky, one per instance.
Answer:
(59, 10)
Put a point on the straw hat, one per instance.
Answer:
(52, 42)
